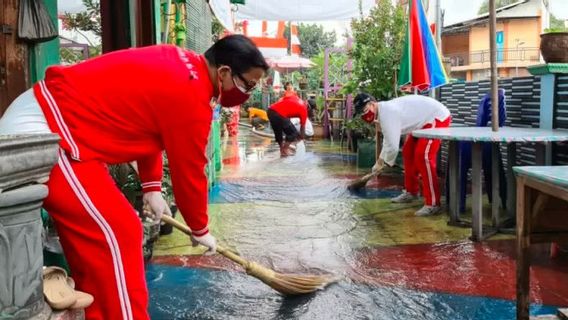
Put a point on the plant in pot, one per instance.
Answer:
(363, 141)
(318, 117)
(303, 83)
(554, 45)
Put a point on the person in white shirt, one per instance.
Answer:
(401, 116)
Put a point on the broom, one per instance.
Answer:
(362, 182)
(286, 284)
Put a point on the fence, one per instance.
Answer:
(523, 109)
(503, 55)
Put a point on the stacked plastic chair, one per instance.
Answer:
(483, 118)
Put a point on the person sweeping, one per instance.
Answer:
(399, 117)
(124, 106)
(258, 118)
(279, 115)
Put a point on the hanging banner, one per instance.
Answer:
(222, 11)
(300, 10)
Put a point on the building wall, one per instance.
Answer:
(526, 30)
(479, 36)
(455, 43)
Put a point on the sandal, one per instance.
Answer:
(57, 292)
(83, 299)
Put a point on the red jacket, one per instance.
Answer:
(132, 104)
(291, 107)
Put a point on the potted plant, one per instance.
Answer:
(303, 83)
(363, 141)
(318, 117)
(554, 45)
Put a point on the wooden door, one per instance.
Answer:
(13, 56)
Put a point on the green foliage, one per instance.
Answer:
(556, 30)
(88, 20)
(556, 23)
(361, 128)
(377, 50)
(484, 8)
(216, 28)
(313, 39)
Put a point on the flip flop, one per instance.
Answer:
(83, 299)
(57, 292)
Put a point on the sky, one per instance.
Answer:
(455, 11)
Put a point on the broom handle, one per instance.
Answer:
(185, 229)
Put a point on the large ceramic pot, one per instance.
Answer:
(26, 159)
(318, 130)
(554, 47)
(25, 163)
(21, 290)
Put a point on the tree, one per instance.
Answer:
(217, 28)
(313, 38)
(88, 20)
(498, 4)
(556, 23)
(377, 50)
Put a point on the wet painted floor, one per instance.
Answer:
(295, 215)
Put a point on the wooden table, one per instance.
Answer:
(542, 207)
(478, 136)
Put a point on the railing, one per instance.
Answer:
(503, 55)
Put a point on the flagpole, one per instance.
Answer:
(493, 54)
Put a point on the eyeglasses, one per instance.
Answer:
(249, 85)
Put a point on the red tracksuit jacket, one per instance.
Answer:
(291, 107)
(131, 105)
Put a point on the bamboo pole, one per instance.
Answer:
(493, 54)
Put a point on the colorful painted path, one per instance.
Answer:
(295, 215)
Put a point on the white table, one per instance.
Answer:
(479, 135)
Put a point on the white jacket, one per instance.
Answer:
(404, 115)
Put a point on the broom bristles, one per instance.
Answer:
(361, 182)
(289, 284)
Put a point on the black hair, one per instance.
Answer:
(360, 101)
(288, 83)
(237, 52)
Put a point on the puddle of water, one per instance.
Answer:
(183, 293)
(296, 215)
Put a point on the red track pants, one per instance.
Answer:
(419, 158)
(101, 237)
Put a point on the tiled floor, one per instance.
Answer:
(296, 215)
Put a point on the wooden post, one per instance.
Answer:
(493, 54)
(145, 24)
(511, 182)
(115, 22)
(14, 71)
(524, 200)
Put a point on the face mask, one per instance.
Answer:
(368, 116)
(232, 97)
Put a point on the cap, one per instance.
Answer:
(360, 101)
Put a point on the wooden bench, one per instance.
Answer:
(542, 208)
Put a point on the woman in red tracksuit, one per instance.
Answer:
(125, 106)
